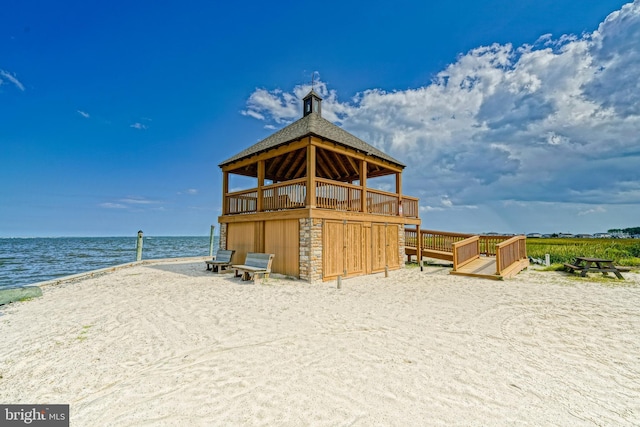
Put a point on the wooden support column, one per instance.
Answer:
(399, 192)
(225, 190)
(363, 184)
(311, 175)
(259, 206)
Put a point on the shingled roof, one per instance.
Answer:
(312, 125)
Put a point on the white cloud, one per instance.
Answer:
(189, 191)
(138, 201)
(597, 209)
(139, 126)
(11, 78)
(83, 114)
(131, 202)
(553, 122)
(109, 205)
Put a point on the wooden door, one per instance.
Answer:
(354, 248)
(384, 247)
(392, 256)
(332, 249)
(343, 249)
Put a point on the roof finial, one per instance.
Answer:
(313, 76)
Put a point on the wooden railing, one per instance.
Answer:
(284, 195)
(328, 194)
(338, 196)
(410, 207)
(440, 240)
(242, 202)
(465, 251)
(410, 238)
(510, 252)
(382, 203)
(443, 240)
(488, 244)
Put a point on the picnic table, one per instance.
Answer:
(598, 265)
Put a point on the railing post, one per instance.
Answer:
(363, 184)
(455, 256)
(225, 190)
(311, 175)
(260, 200)
(419, 246)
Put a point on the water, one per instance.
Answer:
(27, 261)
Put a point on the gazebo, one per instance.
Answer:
(311, 205)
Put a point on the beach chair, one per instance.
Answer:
(221, 261)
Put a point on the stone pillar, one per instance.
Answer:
(316, 250)
(305, 249)
(311, 250)
(223, 235)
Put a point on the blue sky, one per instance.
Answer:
(513, 117)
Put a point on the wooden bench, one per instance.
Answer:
(255, 266)
(221, 261)
(572, 267)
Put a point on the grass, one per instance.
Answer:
(624, 252)
(83, 334)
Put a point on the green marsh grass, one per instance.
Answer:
(625, 252)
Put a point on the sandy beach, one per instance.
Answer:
(171, 344)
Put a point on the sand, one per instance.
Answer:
(171, 344)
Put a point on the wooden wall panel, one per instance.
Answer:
(367, 248)
(258, 240)
(241, 238)
(332, 249)
(378, 247)
(354, 251)
(282, 238)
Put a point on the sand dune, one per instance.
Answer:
(171, 344)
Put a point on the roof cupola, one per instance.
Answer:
(311, 104)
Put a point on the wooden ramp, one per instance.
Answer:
(488, 257)
(484, 267)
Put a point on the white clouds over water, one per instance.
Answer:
(557, 121)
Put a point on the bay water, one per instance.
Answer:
(25, 261)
